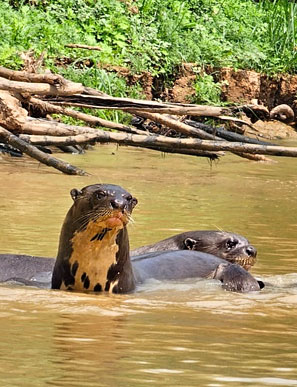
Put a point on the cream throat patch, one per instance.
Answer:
(94, 252)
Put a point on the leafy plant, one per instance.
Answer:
(207, 91)
(282, 29)
(157, 38)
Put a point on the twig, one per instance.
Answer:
(84, 46)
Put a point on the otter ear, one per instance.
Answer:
(190, 243)
(75, 193)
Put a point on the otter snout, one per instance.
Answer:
(251, 251)
(118, 204)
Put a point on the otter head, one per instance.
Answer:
(101, 203)
(235, 279)
(94, 245)
(226, 245)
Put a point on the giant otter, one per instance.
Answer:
(93, 252)
(229, 246)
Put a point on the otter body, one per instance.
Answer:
(168, 265)
(226, 245)
(93, 252)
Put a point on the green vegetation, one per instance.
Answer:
(207, 91)
(150, 35)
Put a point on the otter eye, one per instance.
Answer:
(100, 194)
(231, 243)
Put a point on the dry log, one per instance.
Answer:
(84, 46)
(93, 121)
(25, 76)
(91, 91)
(12, 115)
(190, 131)
(91, 138)
(145, 141)
(94, 101)
(226, 134)
(176, 125)
(255, 112)
(40, 88)
(128, 104)
(282, 113)
(44, 158)
(197, 144)
(237, 120)
(40, 126)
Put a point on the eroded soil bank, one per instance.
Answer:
(237, 86)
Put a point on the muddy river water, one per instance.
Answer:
(187, 333)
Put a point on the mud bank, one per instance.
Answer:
(237, 86)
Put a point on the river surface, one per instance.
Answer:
(186, 333)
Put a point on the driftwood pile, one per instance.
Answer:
(23, 93)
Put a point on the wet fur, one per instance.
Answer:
(93, 252)
(226, 245)
(93, 256)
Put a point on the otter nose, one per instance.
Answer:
(251, 251)
(118, 204)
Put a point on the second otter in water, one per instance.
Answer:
(94, 254)
(232, 247)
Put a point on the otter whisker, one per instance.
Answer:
(91, 215)
(130, 219)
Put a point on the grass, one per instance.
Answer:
(282, 33)
(151, 35)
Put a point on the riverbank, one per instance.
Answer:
(177, 51)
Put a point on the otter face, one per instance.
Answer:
(103, 202)
(231, 247)
(238, 250)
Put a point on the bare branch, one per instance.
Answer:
(44, 158)
(84, 46)
(25, 76)
(40, 88)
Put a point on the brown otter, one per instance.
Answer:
(93, 252)
(94, 246)
(226, 245)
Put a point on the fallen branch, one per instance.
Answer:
(197, 144)
(25, 76)
(44, 158)
(94, 101)
(176, 125)
(84, 46)
(40, 88)
(94, 121)
(237, 120)
(226, 134)
(190, 131)
(92, 138)
(130, 105)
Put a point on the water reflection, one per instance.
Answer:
(184, 333)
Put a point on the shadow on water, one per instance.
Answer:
(184, 333)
